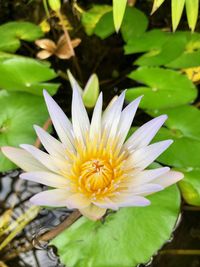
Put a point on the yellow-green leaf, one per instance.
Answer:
(177, 10)
(156, 5)
(119, 7)
(192, 9)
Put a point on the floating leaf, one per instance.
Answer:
(177, 10)
(118, 12)
(156, 5)
(90, 18)
(12, 32)
(91, 91)
(148, 41)
(26, 74)
(126, 238)
(18, 113)
(105, 27)
(184, 127)
(170, 50)
(130, 28)
(166, 88)
(192, 10)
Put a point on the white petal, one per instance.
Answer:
(143, 157)
(134, 201)
(77, 201)
(60, 121)
(106, 203)
(111, 120)
(93, 212)
(54, 198)
(169, 178)
(95, 127)
(143, 136)
(52, 145)
(80, 118)
(126, 119)
(146, 189)
(23, 159)
(73, 82)
(46, 178)
(45, 158)
(145, 176)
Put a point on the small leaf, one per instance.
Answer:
(165, 88)
(105, 26)
(190, 187)
(91, 91)
(156, 5)
(90, 18)
(12, 32)
(18, 113)
(177, 10)
(126, 238)
(118, 12)
(192, 10)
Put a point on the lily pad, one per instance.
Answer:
(170, 50)
(105, 26)
(18, 113)
(184, 127)
(125, 239)
(12, 32)
(165, 88)
(26, 74)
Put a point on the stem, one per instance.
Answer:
(46, 125)
(46, 236)
(180, 252)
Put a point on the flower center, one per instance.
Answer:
(95, 174)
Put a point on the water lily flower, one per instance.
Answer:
(93, 167)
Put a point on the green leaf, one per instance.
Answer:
(125, 239)
(91, 91)
(184, 128)
(119, 8)
(177, 10)
(170, 50)
(192, 10)
(148, 41)
(190, 187)
(90, 18)
(190, 57)
(130, 28)
(166, 88)
(105, 27)
(18, 113)
(156, 5)
(26, 74)
(12, 32)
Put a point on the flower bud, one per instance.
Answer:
(54, 4)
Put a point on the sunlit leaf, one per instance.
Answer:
(126, 238)
(12, 32)
(91, 91)
(26, 74)
(193, 74)
(90, 18)
(164, 88)
(192, 10)
(118, 12)
(177, 10)
(156, 5)
(18, 113)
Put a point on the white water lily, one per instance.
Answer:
(92, 167)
